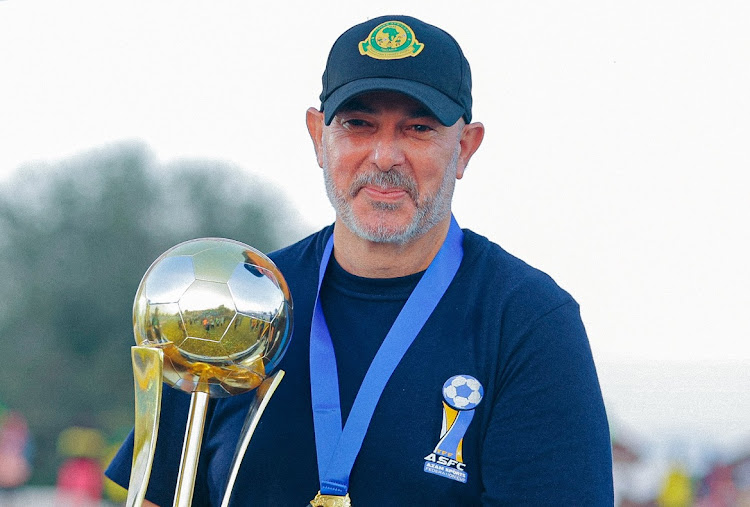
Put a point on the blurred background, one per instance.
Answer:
(614, 159)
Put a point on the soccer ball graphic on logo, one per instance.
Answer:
(221, 312)
(463, 392)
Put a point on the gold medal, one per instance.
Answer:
(321, 500)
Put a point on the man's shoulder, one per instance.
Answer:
(308, 248)
(507, 274)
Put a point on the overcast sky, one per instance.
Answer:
(615, 157)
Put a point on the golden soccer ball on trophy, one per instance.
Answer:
(221, 312)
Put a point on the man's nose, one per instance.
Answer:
(388, 151)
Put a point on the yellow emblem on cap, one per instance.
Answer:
(390, 41)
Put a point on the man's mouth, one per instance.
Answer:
(384, 194)
(387, 186)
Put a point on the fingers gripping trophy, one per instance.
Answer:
(212, 317)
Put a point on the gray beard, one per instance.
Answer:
(430, 209)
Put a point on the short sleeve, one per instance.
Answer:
(547, 441)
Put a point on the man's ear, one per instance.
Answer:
(315, 122)
(471, 138)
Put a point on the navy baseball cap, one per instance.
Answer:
(401, 54)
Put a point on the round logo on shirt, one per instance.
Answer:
(463, 392)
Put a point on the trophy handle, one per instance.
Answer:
(260, 401)
(148, 368)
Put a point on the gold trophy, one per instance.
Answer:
(212, 317)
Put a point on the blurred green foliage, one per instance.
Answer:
(75, 239)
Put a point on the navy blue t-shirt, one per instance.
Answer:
(539, 435)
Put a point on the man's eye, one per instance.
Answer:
(354, 122)
(421, 128)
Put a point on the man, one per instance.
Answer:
(463, 376)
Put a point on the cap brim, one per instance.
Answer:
(444, 109)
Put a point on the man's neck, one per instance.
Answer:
(387, 260)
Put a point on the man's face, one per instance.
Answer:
(390, 166)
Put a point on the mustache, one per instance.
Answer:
(385, 179)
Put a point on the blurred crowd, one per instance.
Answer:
(84, 452)
(648, 479)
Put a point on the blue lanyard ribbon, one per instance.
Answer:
(337, 449)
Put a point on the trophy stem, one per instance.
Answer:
(191, 449)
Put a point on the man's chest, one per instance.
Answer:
(417, 447)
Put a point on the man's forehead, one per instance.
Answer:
(378, 101)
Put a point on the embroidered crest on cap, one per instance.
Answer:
(390, 41)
